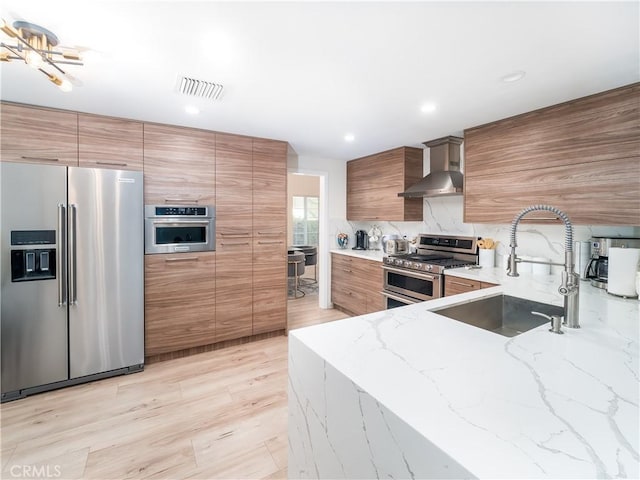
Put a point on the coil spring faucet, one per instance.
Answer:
(570, 285)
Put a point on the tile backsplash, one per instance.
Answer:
(444, 215)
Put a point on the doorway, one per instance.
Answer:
(306, 226)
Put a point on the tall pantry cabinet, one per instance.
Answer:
(251, 221)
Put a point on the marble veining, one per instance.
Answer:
(407, 393)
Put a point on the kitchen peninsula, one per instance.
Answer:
(408, 393)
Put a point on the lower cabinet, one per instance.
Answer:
(455, 285)
(356, 284)
(180, 301)
(234, 288)
(269, 283)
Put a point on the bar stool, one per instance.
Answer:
(310, 259)
(296, 270)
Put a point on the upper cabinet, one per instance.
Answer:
(373, 184)
(581, 156)
(107, 142)
(179, 165)
(38, 135)
(234, 186)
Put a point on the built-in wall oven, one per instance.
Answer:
(416, 277)
(179, 228)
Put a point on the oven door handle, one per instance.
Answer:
(410, 273)
(399, 298)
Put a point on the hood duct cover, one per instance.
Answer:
(444, 177)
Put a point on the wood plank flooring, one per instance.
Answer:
(219, 414)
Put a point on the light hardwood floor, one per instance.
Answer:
(220, 414)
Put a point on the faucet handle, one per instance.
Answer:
(556, 322)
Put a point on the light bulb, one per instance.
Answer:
(34, 59)
(65, 85)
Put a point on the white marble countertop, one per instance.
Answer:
(537, 405)
(366, 254)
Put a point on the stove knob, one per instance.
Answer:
(428, 268)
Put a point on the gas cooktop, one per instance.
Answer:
(437, 253)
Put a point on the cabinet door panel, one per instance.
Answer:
(454, 285)
(373, 184)
(270, 305)
(234, 185)
(106, 142)
(179, 301)
(234, 289)
(269, 185)
(38, 135)
(179, 165)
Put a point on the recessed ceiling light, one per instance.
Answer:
(191, 110)
(514, 77)
(349, 137)
(428, 108)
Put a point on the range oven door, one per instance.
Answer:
(394, 300)
(418, 285)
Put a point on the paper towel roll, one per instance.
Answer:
(582, 256)
(623, 265)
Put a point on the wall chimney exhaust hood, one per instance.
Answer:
(444, 177)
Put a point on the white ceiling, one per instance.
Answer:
(309, 73)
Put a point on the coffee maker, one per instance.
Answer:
(362, 240)
(598, 269)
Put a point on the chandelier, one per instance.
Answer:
(36, 46)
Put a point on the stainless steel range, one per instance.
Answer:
(416, 277)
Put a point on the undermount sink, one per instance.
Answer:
(503, 314)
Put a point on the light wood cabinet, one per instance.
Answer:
(234, 289)
(180, 301)
(179, 165)
(234, 186)
(106, 142)
(356, 284)
(251, 225)
(38, 135)
(454, 285)
(581, 156)
(373, 184)
(269, 235)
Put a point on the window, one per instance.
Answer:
(305, 220)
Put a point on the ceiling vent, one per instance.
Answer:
(199, 88)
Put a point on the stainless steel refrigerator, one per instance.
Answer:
(72, 263)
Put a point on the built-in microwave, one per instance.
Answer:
(179, 228)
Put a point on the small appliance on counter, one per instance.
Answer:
(397, 246)
(386, 238)
(623, 265)
(598, 268)
(375, 235)
(362, 240)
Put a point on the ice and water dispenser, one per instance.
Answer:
(35, 255)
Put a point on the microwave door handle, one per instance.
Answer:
(172, 222)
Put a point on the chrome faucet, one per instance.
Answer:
(570, 285)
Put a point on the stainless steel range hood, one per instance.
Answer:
(445, 177)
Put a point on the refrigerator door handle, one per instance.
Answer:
(62, 255)
(73, 216)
